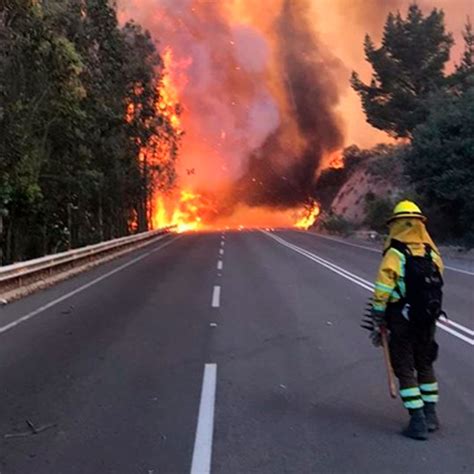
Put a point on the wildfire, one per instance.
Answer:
(336, 160)
(263, 90)
(156, 154)
(188, 211)
(310, 214)
(168, 102)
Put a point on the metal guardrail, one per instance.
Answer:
(18, 274)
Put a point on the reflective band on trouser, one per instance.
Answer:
(411, 398)
(379, 307)
(429, 392)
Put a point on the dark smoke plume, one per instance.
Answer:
(277, 174)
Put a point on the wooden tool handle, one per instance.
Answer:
(388, 365)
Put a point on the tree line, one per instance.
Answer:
(83, 142)
(429, 111)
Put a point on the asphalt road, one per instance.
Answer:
(237, 352)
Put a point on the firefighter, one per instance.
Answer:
(407, 301)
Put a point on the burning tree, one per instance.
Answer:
(153, 118)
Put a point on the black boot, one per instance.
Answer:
(432, 421)
(417, 428)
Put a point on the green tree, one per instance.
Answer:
(463, 77)
(378, 210)
(41, 95)
(408, 67)
(441, 163)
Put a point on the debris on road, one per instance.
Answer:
(34, 430)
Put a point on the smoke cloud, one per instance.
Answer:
(264, 87)
(282, 171)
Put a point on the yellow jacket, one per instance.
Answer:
(390, 278)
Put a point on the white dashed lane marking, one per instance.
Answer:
(216, 296)
(202, 453)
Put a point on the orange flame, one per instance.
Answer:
(168, 103)
(187, 212)
(310, 214)
(335, 160)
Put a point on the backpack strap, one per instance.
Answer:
(428, 251)
(398, 245)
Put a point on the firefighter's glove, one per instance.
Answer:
(373, 322)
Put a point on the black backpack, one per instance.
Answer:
(424, 285)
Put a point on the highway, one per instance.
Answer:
(234, 352)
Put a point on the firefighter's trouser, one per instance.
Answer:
(413, 352)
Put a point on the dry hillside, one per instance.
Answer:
(380, 175)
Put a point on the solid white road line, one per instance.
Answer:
(445, 324)
(52, 303)
(457, 325)
(455, 333)
(202, 453)
(220, 264)
(371, 249)
(325, 263)
(466, 272)
(216, 297)
(340, 241)
(221, 251)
